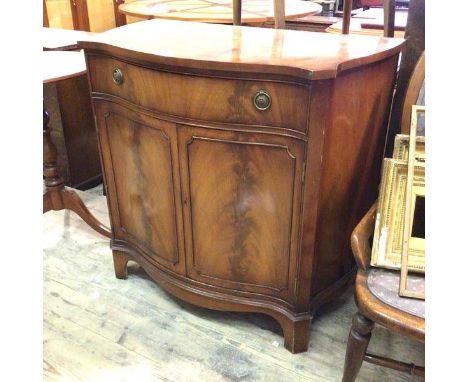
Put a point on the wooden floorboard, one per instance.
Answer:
(99, 328)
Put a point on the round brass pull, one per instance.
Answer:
(262, 100)
(117, 76)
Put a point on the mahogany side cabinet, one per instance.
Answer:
(237, 160)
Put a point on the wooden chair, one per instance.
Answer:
(373, 310)
(389, 17)
(372, 307)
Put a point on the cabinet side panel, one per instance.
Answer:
(352, 157)
(142, 173)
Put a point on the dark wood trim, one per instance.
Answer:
(347, 6)
(120, 18)
(89, 183)
(409, 368)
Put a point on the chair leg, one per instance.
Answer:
(359, 337)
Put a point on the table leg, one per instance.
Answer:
(56, 196)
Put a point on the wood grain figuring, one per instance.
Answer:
(142, 162)
(244, 49)
(241, 194)
(262, 202)
(209, 99)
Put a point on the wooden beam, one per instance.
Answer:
(280, 21)
(79, 9)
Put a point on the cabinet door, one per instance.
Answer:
(242, 197)
(140, 166)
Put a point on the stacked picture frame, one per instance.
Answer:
(399, 235)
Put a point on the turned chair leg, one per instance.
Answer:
(358, 340)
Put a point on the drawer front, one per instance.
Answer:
(264, 103)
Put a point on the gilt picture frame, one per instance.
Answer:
(388, 233)
(401, 148)
(410, 208)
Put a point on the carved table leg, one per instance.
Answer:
(358, 340)
(57, 197)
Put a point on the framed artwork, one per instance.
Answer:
(388, 233)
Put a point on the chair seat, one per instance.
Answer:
(384, 284)
(384, 313)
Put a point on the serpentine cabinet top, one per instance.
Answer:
(300, 54)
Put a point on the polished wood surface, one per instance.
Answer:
(59, 67)
(372, 310)
(222, 47)
(227, 102)
(225, 205)
(220, 11)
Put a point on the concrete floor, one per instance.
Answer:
(99, 328)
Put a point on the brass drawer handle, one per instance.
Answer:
(117, 76)
(262, 100)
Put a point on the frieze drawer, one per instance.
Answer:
(233, 101)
